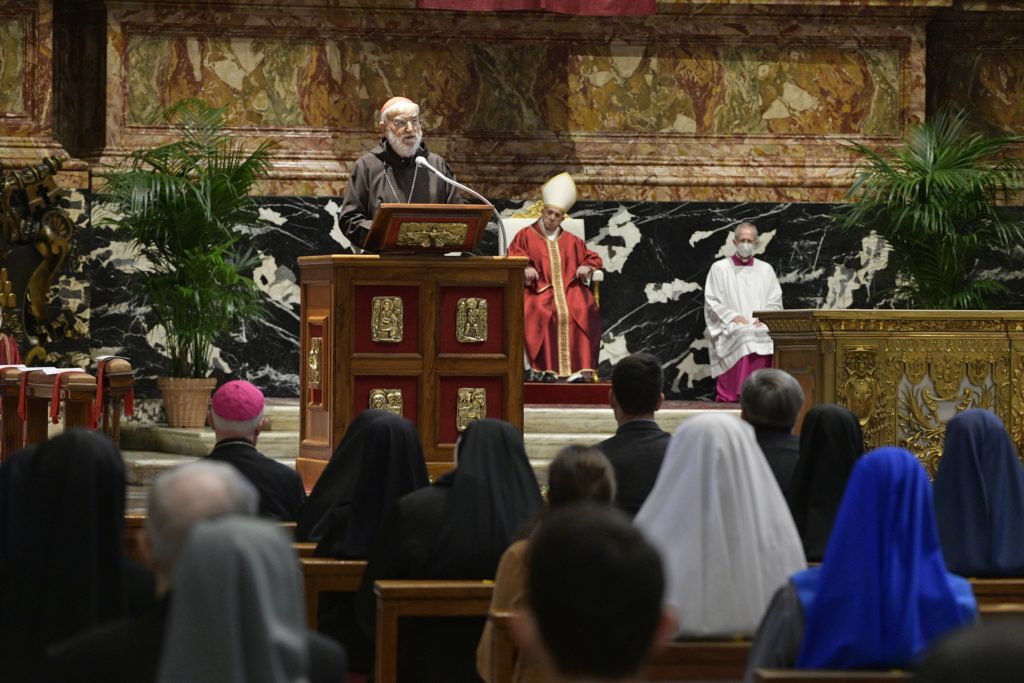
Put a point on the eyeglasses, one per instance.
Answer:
(399, 124)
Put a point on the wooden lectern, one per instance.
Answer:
(437, 339)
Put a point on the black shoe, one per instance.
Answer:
(549, 377)
(578, 379)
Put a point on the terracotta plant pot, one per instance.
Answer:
(186, 399)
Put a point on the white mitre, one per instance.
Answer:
(560, 192)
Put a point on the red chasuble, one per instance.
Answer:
(561, 326)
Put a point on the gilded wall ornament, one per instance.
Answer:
(472, 405)
(386, 399)
(386, 322)
(471, 320)
(425, 234)
(314, 362)
(859, 386)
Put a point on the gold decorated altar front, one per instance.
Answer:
(906, 373)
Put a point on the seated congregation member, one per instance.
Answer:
(14, 478)
(883, 594)
(595, 588)
(456, 529)
(720, 522)
(738, 285)
(236, 415)
(69, 572)
(770, 400)
(639, 444)
(979, 498)
(831, 440)
(561, 323)
(337, 483)
(576, 474)
(989, 651)
(128, 650)
(390, 466)
(237, 612)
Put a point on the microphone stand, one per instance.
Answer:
(502, 242)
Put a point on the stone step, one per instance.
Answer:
(150, 449)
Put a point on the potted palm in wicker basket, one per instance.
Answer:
(180, 205)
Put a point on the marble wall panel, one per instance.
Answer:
(976, 63)
(703, 101)
(12, 65)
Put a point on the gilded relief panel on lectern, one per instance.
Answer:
(471, 320)
(386, 399)
(386, 322)
(472, 405)
(936, 379)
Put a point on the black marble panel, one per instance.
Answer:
(656, 258)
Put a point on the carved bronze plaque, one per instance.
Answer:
(471, 320)
(472, 405)
(386, 399)
(386, 319)
(424, 234)
(313, 361)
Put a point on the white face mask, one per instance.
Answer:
(744, 250)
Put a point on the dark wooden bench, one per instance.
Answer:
(325, 575)
(829, 676)
(398, 599)
(998, 591)
(75, 391)
(115, 381)
(690, 660)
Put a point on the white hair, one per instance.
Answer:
(396, 107)
(741, 226)
(236, 426)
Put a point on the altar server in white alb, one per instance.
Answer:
(737, 286)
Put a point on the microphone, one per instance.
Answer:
(502, 242)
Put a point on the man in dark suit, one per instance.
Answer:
(770, 400)
(128, 650)
(639, 444)
(236, 415)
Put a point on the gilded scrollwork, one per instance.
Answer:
(472, 405)
(471, 320)
(429, 234)
(386, 319)
(386, 399)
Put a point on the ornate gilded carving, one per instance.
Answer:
(977, 371)
(314, 362)
(860, 388)
(471, 320)
(429, 234)
(386, 320)
(32, 225)
(386, 399)
(532, 211)
(472, 405)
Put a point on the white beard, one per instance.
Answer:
(400, 147)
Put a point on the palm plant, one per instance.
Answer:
(180, 205)
(939, 201)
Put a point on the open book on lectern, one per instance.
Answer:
(427, 228)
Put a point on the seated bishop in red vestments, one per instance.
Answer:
(561, 326)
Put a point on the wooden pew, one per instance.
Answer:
(398, 599)
(998, 591)
(77, 394)
(692, 660)
(304, 548)
(829, 676)
(325, 575)
(996, 611)
(134, 526)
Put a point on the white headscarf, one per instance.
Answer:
(237, 612)
(723, 529)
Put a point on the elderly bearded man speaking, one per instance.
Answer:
(737, 286)
(388, 173)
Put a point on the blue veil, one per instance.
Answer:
(882, 593)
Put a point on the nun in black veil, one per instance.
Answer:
(390, 464)
(456, 529)
(69, 572)
(336, 486)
